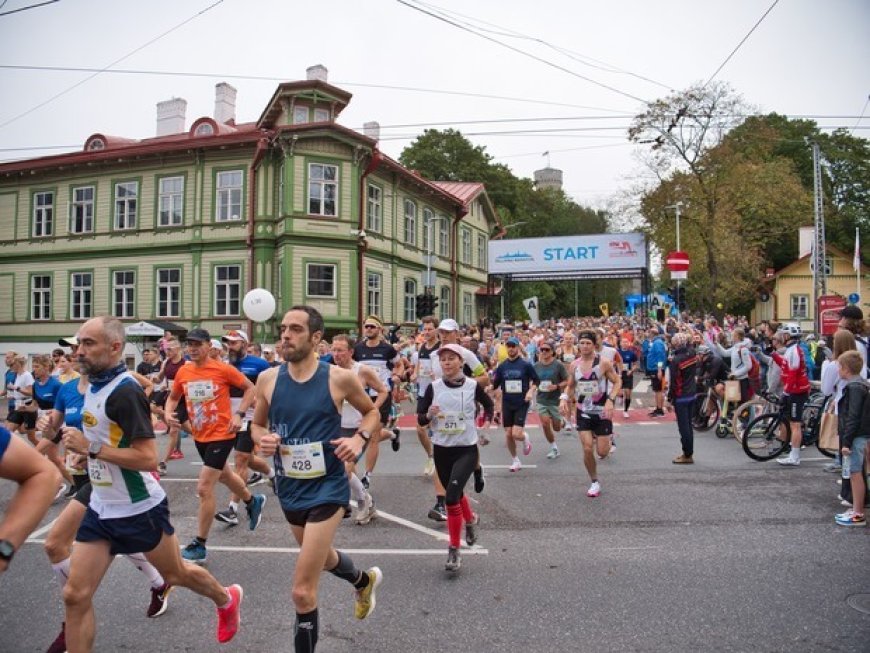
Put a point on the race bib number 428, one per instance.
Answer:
(303, 460)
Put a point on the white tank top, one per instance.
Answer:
(591, 388)
(351, 418)
(117, 492)
(454, 425)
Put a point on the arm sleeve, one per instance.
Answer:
(484, 400)
(496, 378)
(128, 407)
(423, 405)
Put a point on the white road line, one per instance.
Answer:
(407, 523)
(41, 531)
(508, 466)
(646, 423)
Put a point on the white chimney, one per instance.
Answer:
(372, 130)
(224, 103)
(170, 116)
(805, 241)
(318, 72)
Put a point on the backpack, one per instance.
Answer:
(754, 374)
(808, 360)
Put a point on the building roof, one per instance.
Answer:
(830, 249)
(464, 190)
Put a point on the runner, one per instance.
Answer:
(173, 362)
(23, 416)
(298, 420)
(351, 418)
(566, 354)
(251, 366)
(554, 379)
(422, 377)
(595, 384)
(516, 377)
(128, 510)
(449, 407)
(629, 359)
(205, 386)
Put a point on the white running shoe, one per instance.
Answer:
(527, 444)
(789, 461)
(429, 469)
(594, 490)
(364, 510)
(553, 453)
(516, 465)
(625, 414)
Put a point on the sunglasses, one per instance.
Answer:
(370, 326)
(543, 349)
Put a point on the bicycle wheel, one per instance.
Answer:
(765, 437)
(706, 413)
(745, 413)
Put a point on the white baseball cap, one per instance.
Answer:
(448, 325)
(235, 335)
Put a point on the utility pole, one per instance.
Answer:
(677, 208)
(820, 281)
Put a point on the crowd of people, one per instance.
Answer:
(307, 416)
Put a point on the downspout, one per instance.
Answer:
(259, 153)
(361, 243)
(454, 273)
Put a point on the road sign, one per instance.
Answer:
(677, 261)
(854, 298)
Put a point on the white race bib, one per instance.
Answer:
(546, 386)
(587, 387)
(303, 460)
(451, 423)
(513, 386)
(568, 358)
(99, 473)
(200, 391)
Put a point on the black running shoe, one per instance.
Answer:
(394, 441)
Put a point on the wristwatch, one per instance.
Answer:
(365, 435)
(241, 413)
(94, 449)
(7, 550)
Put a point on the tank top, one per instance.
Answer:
(303, 414)
(591, 388)
(566, 357)
(454, 426)
(350, 416)
(170, 369)
(424, 377)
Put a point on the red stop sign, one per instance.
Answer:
(677, 262)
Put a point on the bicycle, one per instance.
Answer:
(707, 409)
(769, 435)
(748, 411)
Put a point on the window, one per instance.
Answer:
(800, 306)
(320, 280)
(410, 231)
(82, 210)
(374, 210)
(465, 236)
(481, 252)
(443, 237)
(373, 293)
(126, 196)
(322, 189)
(228, 290)
(123, 289)
(43, 214)
(204, 129)
(428, 234)
(444, 303)
(169, 292)
(170, 201)
(467, 308)
(229, 196)
(321, 115)
(40, 297)
(300, 115)
(80, 295)
(410, 303)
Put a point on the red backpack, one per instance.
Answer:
(754, 374)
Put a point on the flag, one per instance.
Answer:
(856, 260)
(531, 305)
(547, 153)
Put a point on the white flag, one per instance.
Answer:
(531, 305)
(856, 260)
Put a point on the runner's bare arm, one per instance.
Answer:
(141, 455)
(345, 385)
(371, 380)
(268, 442)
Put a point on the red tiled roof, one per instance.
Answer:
(464, 190)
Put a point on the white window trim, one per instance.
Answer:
(84, 205)
(126, 208)
(409, 305)
(40, 211)
(44, 293)
(374, 308)
(224, 196)
(127, 288)
(409, 222)
(374, 209)
(806, 306)
(481, 252)
(170, 286)
(229, 284)
(81, 304)
(443, 238)
(172, 197)
(323, 183)
(334, 279)
(467, 308)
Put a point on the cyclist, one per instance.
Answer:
(796, 387)
(741, 361)
(711, 370)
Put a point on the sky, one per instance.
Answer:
(566, 77)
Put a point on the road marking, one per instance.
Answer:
(407, 523)
(42, 531)
(410, 552)
(508, 466)
(648, 423)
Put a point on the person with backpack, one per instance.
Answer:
(854, 430)
(809, 361)
(742, 364)
(796, 388)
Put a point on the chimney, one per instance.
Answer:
(318, 72)
(372, 130)
(806, 235)
(224, 103)
(170, 116)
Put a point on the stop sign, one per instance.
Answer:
(677, 262)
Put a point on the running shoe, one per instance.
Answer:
(454, 562)
(160, 428)
(789, 461)
(71, 492)
(479, 480)
(394, 440)
(364, 510)
(594, 490)
(516, 465)
(429, 469)
(59, 643)
(656, 412)
(228, 516)
(612, 448)
(230, 616)
(195, 552)
(159, 600)
(255, 511)
(845, 502)
(683, 459)
(853, 519)
(176, 454)
(438, 512)
(527, 444)
(364, 602)
(61, 491)
(366, 480)
(568, 427)
(255, 479)
(553, 453)
(161, 469)
(832, 467)
(471, 530)
(625, 414)
(845, 515)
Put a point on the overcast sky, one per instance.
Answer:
(807, 57)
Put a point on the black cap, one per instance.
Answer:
(852, 312)
(198, 334)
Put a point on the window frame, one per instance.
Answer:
(82, 289)
(297, 114)
(131, 288)
(444, 237)
(169, 285)
(467, 308)
(47, 306)
(482, 261)
(323, 183)
(308, 279)
(465, 246)
(428, 229)
(38, 210)
(131, 216)
(444, 302)
(409, 222)
(229, 283)
(374, 295)
(801, 298)
(409, 303)
(75, 204)
(374, 223)
(160, 195)
(221, 192)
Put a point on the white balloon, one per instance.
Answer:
(259, 305)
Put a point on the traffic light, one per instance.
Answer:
(681, 298)
(425, 305)
(433, 304)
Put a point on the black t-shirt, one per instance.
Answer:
(128, 407)
(147, 369)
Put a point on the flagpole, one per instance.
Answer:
(856, 262)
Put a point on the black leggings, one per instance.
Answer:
(454, 466)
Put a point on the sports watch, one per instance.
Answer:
(7, 550)
(365, 435)
(94, 449)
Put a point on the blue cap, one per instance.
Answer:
(512, 341)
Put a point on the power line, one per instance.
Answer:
(861, 117)
(15, 11)
(742, 41)
(117, 61)
(519, 51)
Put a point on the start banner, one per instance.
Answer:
(588, 253)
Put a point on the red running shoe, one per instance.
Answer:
(176, 455)
(230, 616)
(59, 643)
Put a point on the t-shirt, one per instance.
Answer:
(382, 357)
(10, 380)
(147, 369)
(5, 437)
(46, 393)
(629, 357)
(206, 392)
(251, 367)
(23, 380)
(550, 377)
(70, 402)
(514, 376)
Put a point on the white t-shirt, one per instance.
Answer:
(23, 380)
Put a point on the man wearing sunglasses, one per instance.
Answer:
(554, 378)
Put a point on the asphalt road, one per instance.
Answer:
(724, 555)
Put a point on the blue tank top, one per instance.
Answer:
(302, 413)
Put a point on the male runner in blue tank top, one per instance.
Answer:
(298, 420)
